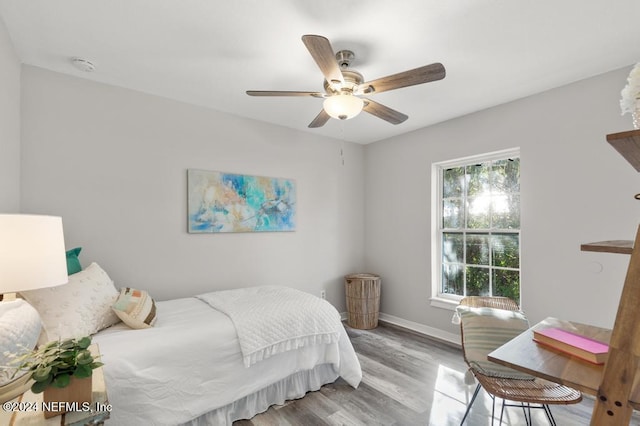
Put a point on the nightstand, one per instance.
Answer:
(26, 409)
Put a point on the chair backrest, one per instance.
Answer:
(490, 302)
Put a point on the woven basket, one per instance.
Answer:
(363, 300)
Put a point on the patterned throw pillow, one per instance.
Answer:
(486, 329)
(135, 308)
(79, 308)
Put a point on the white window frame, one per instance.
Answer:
(438, 299)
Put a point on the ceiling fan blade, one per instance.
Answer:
(320, 120)
(412, 77)
(322, 52)
(284, 93)
(384, 112)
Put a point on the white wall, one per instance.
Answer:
(9, 125)
(113, 163)
(575, 188)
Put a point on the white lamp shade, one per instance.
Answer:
(343, 107)
(32, 253)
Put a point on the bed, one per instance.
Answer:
(194, 367)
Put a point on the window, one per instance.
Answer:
(477, 224)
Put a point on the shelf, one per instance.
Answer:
(614, 246)
(628, 145)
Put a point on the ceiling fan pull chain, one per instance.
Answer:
(342, 142)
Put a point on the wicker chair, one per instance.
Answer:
(524, 391)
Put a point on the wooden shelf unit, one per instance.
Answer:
(628, 145)
(612, 407)
(613, 246)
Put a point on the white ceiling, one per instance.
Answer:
(209, 52)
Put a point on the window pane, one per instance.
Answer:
(477, 249)
(506, 175)
(505, 211)
(505, 250)
(452, 247)
(478, 179)
(477, 281)
(452, 279)
(452, 182)
(452, 213)
(478, 216)
(506, 283)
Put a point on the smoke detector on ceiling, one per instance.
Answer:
(83, 64)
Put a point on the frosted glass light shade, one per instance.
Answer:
(343, 107)
(32, 253)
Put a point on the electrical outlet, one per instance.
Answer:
(323, 294)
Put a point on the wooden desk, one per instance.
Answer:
(523, 354)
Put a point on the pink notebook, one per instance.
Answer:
(576, 340)
(572, 343)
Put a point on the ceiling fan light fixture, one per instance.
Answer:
(343, 107)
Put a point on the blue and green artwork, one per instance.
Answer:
(226, 202)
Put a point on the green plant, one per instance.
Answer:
(55, 363)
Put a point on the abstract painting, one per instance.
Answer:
(226, 202)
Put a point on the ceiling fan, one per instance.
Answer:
(345, 87)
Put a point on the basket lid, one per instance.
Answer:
(362, 276)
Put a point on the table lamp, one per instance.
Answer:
(32, 256)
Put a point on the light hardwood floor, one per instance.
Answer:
(408, 379)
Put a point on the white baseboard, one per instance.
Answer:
(435, 333)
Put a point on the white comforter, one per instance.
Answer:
(275, 319)
(190, 363)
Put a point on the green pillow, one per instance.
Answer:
(73, 263)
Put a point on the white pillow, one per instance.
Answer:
(79, 308)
